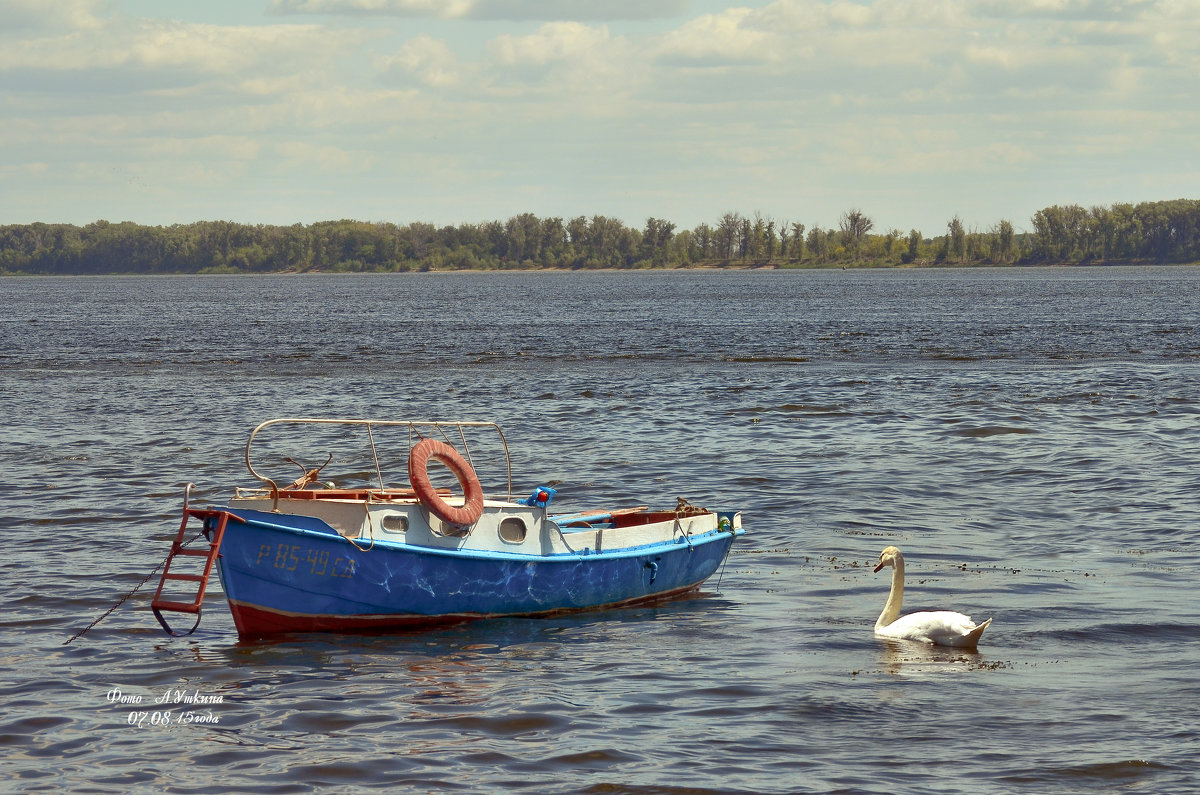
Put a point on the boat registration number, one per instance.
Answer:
(319, 562)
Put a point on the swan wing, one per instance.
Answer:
(940, 627)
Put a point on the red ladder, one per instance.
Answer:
(210, 555)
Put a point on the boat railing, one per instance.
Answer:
(453, 433)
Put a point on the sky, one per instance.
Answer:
(465, 111)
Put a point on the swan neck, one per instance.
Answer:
(891, 610)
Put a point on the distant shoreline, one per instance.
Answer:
(1149, 233)
(710, 268)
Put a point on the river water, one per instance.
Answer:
(1027, 437)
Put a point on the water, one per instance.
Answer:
(1027, 437)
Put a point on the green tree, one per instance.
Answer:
(797, 241)
(914, 245)
(854, 226)
(656, 239)
(818, 243)
(1003, 250)
(704, 238)
(956, 240)
(889, 242)
(729, 235)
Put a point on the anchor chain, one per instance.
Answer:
(124, 598)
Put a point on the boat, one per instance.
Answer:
(365, 553)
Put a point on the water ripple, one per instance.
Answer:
(1026, 436)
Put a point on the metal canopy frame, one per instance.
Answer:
(421, 429)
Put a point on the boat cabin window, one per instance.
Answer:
(395, 523)
(512, 530)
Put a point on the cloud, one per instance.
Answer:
(577, 70)
(168, 58)
(554, 41)
(587, 102)
(23, 15)
(1115, 10)
(719, 38)
(434, 9)
(23, 171)
(510, 10)
(326, 158)
(577, 10)
(429, 60)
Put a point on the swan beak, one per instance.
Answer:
(880, 566)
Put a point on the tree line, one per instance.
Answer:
(1149, 232)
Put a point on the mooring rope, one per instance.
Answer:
(724, 560)
(136, 588)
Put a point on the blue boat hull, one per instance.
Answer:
(286, 573)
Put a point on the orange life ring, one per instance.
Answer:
(418, 475)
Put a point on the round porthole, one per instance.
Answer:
(395, 523)
(512, 530)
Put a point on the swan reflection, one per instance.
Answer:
(915, 658)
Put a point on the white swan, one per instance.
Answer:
(941, 627)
